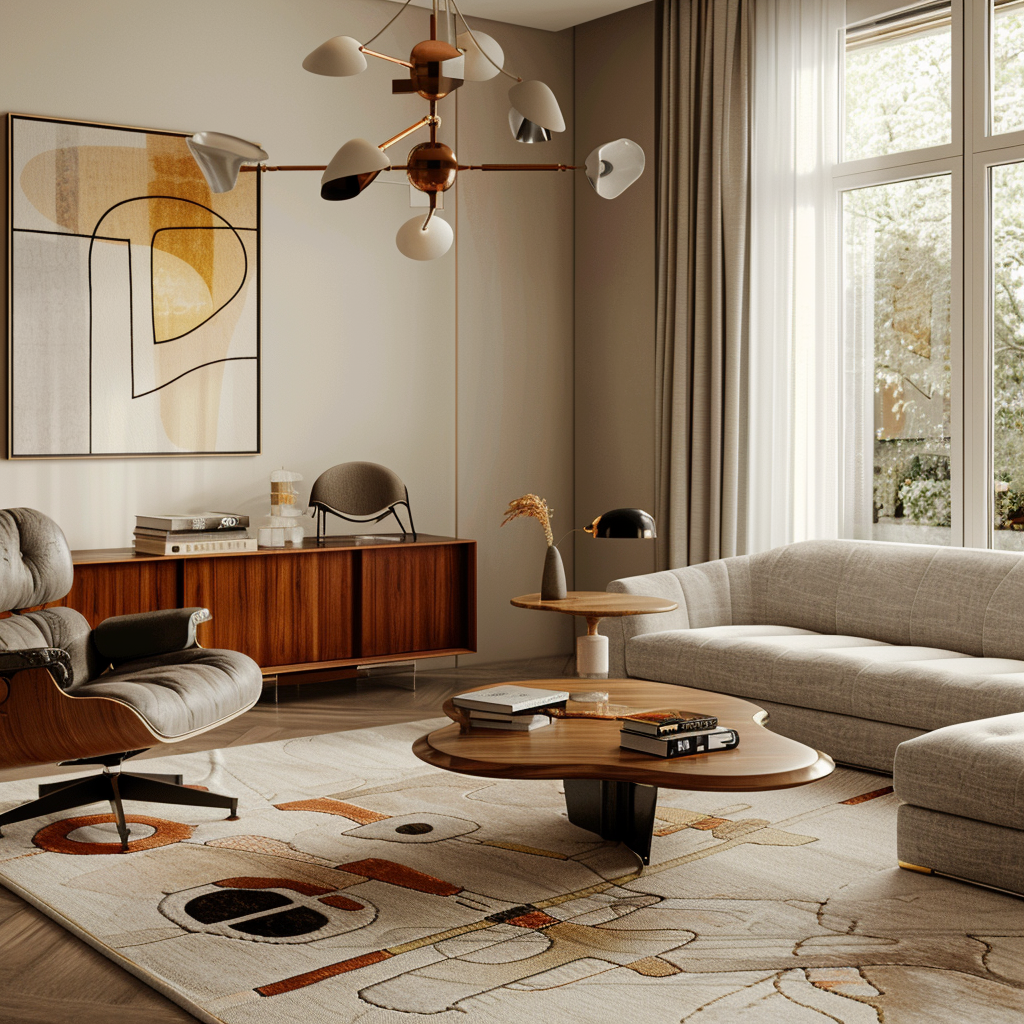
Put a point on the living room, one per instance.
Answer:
(739, 325)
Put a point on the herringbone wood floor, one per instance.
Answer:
(47, 976)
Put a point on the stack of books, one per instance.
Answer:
(510, 707)
(193, 533)
(675, 733)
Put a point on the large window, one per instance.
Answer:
(931, 204)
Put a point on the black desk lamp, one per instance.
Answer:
(623, 523)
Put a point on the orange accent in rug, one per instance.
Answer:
(54, 837)
(535, 919)
(322, 973)
(250, 882)
(341, 903)
(873, 795)
(399, 874)
(326, 805)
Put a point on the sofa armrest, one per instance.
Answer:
(709, 594)
(56, 659)
(148, 634)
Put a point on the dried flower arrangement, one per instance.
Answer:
(535, 508)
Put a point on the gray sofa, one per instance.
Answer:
(855, 648)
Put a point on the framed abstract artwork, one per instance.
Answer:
(134, 296)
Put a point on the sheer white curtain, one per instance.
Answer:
(796, 367)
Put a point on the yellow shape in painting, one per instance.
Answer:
(181, 298)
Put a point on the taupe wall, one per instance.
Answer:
(515, 281)
(615, 295)
(455, 373)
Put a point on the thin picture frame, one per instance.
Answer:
(240, 251)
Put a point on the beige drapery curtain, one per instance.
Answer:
(703, 278)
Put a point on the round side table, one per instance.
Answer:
(595, 605)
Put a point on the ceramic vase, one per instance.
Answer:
(552, 587)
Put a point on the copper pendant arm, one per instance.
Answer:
(430, 119)
(384, 56)
(284, 167)
(520, 167)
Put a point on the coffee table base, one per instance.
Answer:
(614, 810)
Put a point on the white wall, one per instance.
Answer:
(364, 351)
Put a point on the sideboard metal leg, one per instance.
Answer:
(614, 810)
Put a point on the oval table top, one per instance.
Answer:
(588, 748)
(597, 603)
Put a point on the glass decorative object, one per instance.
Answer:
(283, 526)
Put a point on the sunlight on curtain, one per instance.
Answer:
(795, 368)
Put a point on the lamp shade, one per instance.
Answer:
(424, 243)
(220, 157)
(613, 167)
(623, 523)
(478, 68)
(537, 103)
(526, 131)
(354, 166)
(338, 57)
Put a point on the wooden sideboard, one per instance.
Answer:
(337, 604)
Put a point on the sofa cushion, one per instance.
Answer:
(182, 692)
(916, 687)
(974, 770)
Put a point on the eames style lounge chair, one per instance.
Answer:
(360, 492)
(79, 696)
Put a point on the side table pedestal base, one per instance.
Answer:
(592, 656)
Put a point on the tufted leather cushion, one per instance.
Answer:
(35, 562)
(181, 692)
(54, 627)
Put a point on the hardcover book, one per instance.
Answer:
(507, 699)
(176, 521)
(682, 745)
(170, 546)
(522, 723)
(667, 722)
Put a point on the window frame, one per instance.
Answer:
(974, 150)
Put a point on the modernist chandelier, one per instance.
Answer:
(437, 67)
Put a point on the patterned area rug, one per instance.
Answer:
(362, 885)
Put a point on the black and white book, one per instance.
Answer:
(508, 699)
(681, 745)
(521, 723)
(177, 521)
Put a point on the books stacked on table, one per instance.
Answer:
(675, 733)
(518, 708)
(193, 533)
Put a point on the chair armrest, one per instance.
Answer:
(56, 659)
(148, 634)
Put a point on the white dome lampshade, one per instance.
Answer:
(537, 103)
(338, 57)
(613, 167)
(220, 157)
(419, 243)
(478, 68)
(353, 167)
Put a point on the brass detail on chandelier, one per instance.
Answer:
(427, 71)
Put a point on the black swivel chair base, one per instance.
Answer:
(115, 787)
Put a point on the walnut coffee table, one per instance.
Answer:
(612, 791)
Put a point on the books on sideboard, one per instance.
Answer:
(200, 533)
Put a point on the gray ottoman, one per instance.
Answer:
(962, 810)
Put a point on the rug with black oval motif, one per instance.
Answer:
(361, 884)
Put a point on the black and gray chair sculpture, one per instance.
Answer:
(74, 695)
(359, 492)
